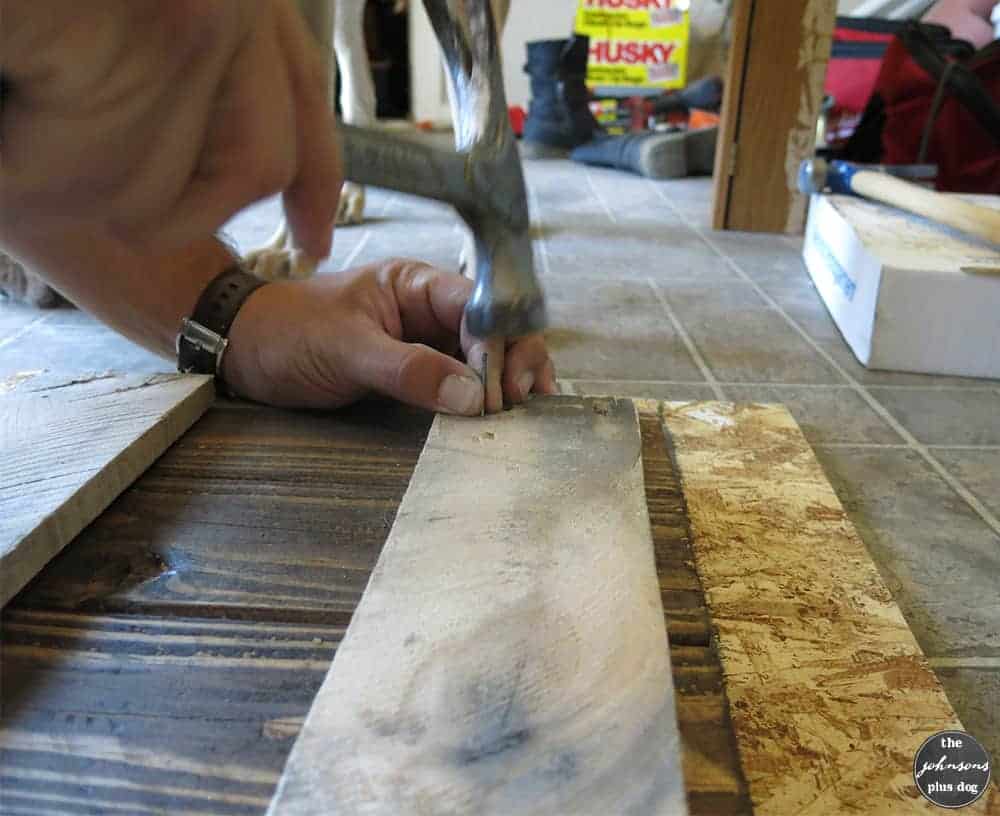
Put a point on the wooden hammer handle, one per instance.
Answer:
(953, 212)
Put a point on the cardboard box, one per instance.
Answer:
(907, 294)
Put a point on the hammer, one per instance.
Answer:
(816, 175)
(482, 177)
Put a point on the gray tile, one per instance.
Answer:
(979, 471)
(826, 415)
(15, 316)
(764, 257)
(678, 392)
(409, 228)
(690, 198)
(614, 331)
(938, 558)
(945, 416)
(811, 315)
(77, 350)
(601, 224)
(975, 694)
(405, 226)
(742, 339)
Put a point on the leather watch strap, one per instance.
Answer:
(204, 335)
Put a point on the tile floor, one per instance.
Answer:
(647, 301)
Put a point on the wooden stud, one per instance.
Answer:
(773, 94)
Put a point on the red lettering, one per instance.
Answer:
(611, 52)
(630, 5)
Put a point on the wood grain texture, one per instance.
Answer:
(774, 90)
(70, 448)
(831, 696)
(194, 620)
(530, 674)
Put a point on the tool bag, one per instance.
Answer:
(859, 43)
(936, 100)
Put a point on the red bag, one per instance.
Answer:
(859, 43)
(936, 101)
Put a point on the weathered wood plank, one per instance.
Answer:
(831, 696)
(69, 449)
(202, 688)
(530, 673)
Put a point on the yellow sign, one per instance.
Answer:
(636, 43)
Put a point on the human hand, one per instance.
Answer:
(390, 328)
(157, 121)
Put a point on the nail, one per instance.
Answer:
(525, 382)
(461, 395)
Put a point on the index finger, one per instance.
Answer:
(431, 301)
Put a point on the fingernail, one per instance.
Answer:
(525, 382)
(461, 395)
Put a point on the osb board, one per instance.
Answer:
(530, 674)
(829, 692)
(70, 447)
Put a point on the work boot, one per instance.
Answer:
(654, 155)
(559, 116)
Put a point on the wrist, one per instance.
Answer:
(204, 336)
(242, 364)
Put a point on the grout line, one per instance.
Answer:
(543, 253)
(964, 662)
(357, 250)
(367, 236)
(604, 204)
(980, 509)
(726, 383)
(964, 447)
(860, 445)
(38, 321)
(699, 361)
(935, 387)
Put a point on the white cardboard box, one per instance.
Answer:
(906, 294)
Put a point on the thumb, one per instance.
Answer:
(418, 375)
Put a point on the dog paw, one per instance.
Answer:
(351, 209)
(272, 264)
(467, 258)
(21, 286)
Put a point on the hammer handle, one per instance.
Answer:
(953, 212)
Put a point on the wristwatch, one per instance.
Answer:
(204, 336)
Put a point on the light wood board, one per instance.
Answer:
(829, 692)
(773, 94)
(67, 449)
(531, 672)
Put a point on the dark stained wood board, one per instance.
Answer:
(167, 657)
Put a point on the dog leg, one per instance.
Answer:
(357, 93)
(22, 286)
(279, 258)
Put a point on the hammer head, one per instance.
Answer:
(812, 176)
(817, 175)
(507, 299)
